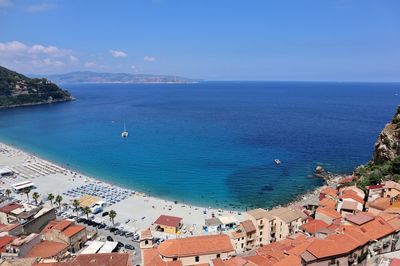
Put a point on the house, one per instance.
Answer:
(146, 239)
(195, 250)
(375, 191)
(336, 249)
(21, 186)
(357, 219)
(48, 250)
(228, 222)
(66, 231)
(32, 218)
(213, 225)
(327, 215)
(238, 239)
(4, 241)
(105, 259)
(250, 230)
(350, 202)
(5, 171)
(391, 189)
(265, 230)
(328, 192)
(287, 221)
(378, 205)
(352, 189)
(21, 246)
(328, 203)
(313, 226)
(394, 222)
(168, 224)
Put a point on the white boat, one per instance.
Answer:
(124, 133)
(277, 161)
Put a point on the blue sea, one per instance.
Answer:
(210, 143)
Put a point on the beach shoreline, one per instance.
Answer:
(141, 208)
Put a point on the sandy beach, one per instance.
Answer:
(141, 209)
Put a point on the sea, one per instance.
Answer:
(209, 143)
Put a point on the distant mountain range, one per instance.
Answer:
(95, 77)
(19, 90)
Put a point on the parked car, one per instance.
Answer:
(104, 214)
(130, 247)
(109, 238)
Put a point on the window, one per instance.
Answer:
(218, 255)
(242, 245)
(261, 221)
(175, 259)
(197, 259)
(260, 239)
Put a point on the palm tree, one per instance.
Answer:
(35, 196)
(26, 191)
(8, 192)
(59, 199)
(87, 211)
(75, 203)
(50, 197)
(112, 215)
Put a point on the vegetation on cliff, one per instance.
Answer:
(385, 163)
(17, 90)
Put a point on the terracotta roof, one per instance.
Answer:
(395, 262)
(47, 249)
(329, 191)
(380, 204)
(235, 261)
(289, 260)
(73, 230)
(392, 184)
(377, 228)
(375, 186)
(328, 202)
(349, 205)
(359, 218)
(10, 207)
(61, 225)
(151, 257)
(167, 220)
(248, 226)
(200, 245)
(261, 260)
(355, 233)
(4, 240)
(332, 245)
(346, 180)
(9, 227)
(146, 234)
(313, 226)
(395, 223)
(329, 212)
(288, 214)
(260, 213)
(352, 196)
(104, 259)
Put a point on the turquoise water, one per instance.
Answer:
(211, 143)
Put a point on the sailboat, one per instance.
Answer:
(124, 133)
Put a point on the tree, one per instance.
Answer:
(50, 197)
(8, 192)
(75, 203)
(26, 191)
(87, 211)
(59, 199)
(395, 167)
(112, 215)
(35, 196)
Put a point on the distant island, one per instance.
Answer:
(19, 90)
(96, 77)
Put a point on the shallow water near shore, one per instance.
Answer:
(210, 143)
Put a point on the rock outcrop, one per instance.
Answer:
(19, 90)
(387, 147)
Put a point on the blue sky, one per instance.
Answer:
(209, 39)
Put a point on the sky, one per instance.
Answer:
(292, 40)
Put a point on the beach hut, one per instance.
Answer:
(5, 172)
(213, 225)
(168, 224)
(228, 222)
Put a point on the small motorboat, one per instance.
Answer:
(124, 133)
(277, 161)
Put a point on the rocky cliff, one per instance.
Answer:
(19, 90)
(387, 147)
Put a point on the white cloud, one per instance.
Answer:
(47, 62)
(5, 3)
(42, 7)
(116, 53)
(18, 48)
(73, 59)
(90, 64)
(149, 58)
